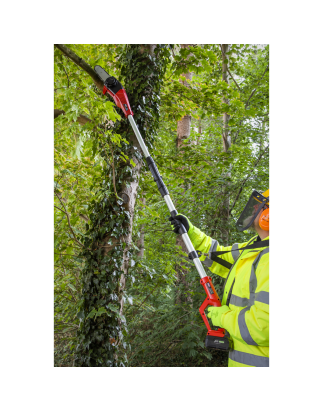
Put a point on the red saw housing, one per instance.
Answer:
(121, 100)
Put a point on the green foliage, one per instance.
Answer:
(108, 218)
(94, 161)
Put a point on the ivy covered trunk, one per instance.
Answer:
(108, 240)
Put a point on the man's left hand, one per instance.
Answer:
(215, 313)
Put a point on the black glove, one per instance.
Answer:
(175, 221)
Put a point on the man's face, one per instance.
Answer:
(255, 209)
(255, 223)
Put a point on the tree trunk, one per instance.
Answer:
(225, 132)
(224, 208)
(107, 243)
(183, 132)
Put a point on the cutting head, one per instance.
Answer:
(101, 73)
(114, 88)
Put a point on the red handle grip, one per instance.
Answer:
(213, 300)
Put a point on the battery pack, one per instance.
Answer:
(217, 343)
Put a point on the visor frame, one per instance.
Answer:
(264, 202)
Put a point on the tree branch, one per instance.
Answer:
(229, 70)
(66, 76)
(256, 86)
(81, 63)
(68, 220)
(244, 181)
(144, 300)
(80, 119)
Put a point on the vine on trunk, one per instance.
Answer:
(107, 242)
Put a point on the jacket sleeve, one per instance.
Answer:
(250, 324)
(206, 244)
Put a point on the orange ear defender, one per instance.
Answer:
(264, 219)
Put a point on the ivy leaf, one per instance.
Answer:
(101, 311)
(92, 313)
(113, 308)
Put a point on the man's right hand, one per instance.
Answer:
(175, 221)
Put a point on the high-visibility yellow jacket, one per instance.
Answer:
(246, 292)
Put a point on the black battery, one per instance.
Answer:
(217, 343)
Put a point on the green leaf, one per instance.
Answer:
(72, 287)
(101, 311)
(92, 313)
(113, 307)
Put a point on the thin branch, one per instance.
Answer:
(81, 63)
(68, 331)
(64, 324)
(59, 88)
(64, 296)
(74, 273)
(223, 55)
(236, 136)
(80, 119)
(70, 255)
(245, 180)
(84, 217)
(144, 301)
(247, 103)
(66, 76)
(71, 294)
(68, 220)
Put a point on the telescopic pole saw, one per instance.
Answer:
(215, 337)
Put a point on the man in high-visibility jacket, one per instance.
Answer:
(245, 305)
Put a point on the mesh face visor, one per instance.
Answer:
(256, 203)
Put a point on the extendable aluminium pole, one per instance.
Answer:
(215, 338)
(165, 194)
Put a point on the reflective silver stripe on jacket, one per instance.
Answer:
(262, 297)
(244, 331)
(249, 359)
(245, 334)
(239, 301)
(234, 251)
(231, 269)
(208, 262)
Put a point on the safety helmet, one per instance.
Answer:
(257, 203)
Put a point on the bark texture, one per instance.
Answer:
(224, 211)
(184, 125)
